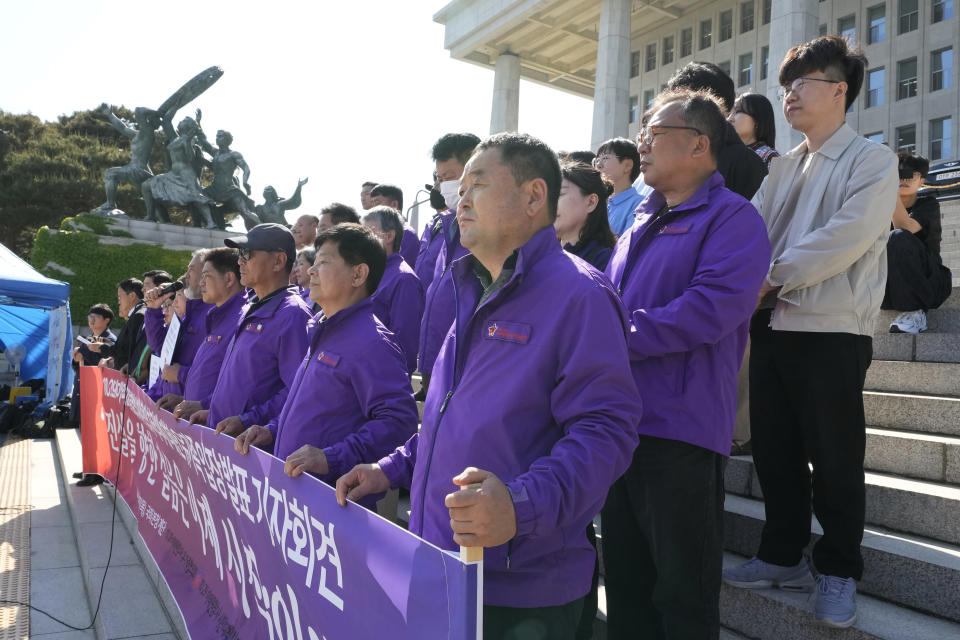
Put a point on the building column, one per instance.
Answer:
(611, 93)
(505, 113)
(792, 22)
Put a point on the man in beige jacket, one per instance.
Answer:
(827, 205)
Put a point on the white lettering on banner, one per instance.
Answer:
(149, 457)
(151, 515)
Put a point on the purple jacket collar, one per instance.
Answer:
(700, 197)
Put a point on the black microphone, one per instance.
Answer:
(173, 287)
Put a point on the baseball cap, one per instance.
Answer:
(269, 236)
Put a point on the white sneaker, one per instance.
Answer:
(909, 322)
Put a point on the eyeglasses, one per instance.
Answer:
(599, 160)
(796, 85)
(245, 253)
(647, 134)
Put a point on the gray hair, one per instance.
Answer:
(389, 220)
(699, 109)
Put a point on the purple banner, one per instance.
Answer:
(249, 552)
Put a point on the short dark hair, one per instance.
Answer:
(389, 220)
(159, 276)
(913, 163)
(699, 109)
(340, 212)
(589, 180)
(390, 191)
(454, 145)
(759, 108)
(705, 76)
(528, 158)
(585, 157)
(832, 56)
(224, 260)
(103, 310)
(356, 244)
(624, 150)
(132, 285)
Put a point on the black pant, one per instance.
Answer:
(590, 601)
(915, 278)
(806, 406)
(662, 529)
(538, 623)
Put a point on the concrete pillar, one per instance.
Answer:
(792, 22)
(504, 115)
(611, 93)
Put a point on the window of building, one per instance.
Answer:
(907, 138)
(746, 69)
(651, 57)
(686, 42)
(906, 78)
(909, 16)
(634, 109)
(941, 10)
(746, 16)
(941, 134)
(634, 64)
(941, 69)
(726, 25)
(764, 61)
(724, 66)
(877, 21)
(876, 137)
(846, 27)
(648, 97)
(765, 17)
(668, 50)
(874, 94)
(706, 33)
(822, 30)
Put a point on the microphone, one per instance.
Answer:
(173, 287)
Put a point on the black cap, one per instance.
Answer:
(266, 237)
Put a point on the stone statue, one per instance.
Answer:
(273, 208)
(141, 144)
(180, 185)
(225, 189)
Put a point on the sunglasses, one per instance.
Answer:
(245, 253)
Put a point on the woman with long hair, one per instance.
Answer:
(582, 225)
(752, 117)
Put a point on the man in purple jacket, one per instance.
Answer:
(270, 340)
(388, 195)
(219, 286)
(534, 393)
(351, 399)
(689, 271)
(398, 301)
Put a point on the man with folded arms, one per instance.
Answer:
(351, 399)
(532, 409)
(270, 340)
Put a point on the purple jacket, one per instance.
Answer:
(535, 387)
(440, 306)
(191, 336)
(218, 325)
(690, 280)
(430, 243)
(398, 303)
(409, 245)
(351, 395)
(261, 360)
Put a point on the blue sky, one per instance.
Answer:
(339, 92)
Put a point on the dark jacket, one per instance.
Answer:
(591, 251)
(131, 340)
(741, 168)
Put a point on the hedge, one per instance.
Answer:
(97, 268)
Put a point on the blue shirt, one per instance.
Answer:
(620, 209)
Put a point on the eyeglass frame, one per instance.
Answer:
(784, 92)
(596, 162)
(245, 253)
(651, 127)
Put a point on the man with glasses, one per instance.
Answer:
(688, 272)
(617, 159)
(268, 344)
(827, 205)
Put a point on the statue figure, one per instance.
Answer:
(141, 144)
(225, 189)
(181, 185)
(273, 208)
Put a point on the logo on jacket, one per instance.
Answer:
(212, 339)
(255, 328)
(509, 332)
(675, 229)
(328, 358)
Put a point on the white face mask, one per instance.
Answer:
(450, 190)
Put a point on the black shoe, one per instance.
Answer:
(78, 475)
(89, 480)
(741, 449)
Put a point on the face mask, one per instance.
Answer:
(451, 192)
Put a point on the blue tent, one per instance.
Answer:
(34, 313)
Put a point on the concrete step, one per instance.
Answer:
(913, 412)
(942, 320)
(897, 376)
(910, 571)
(916, 507)
(771, 614)
(913, 455)
(922, 347)
(132, 576)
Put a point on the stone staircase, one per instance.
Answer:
(911, 583)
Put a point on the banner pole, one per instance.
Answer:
(470, 555)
